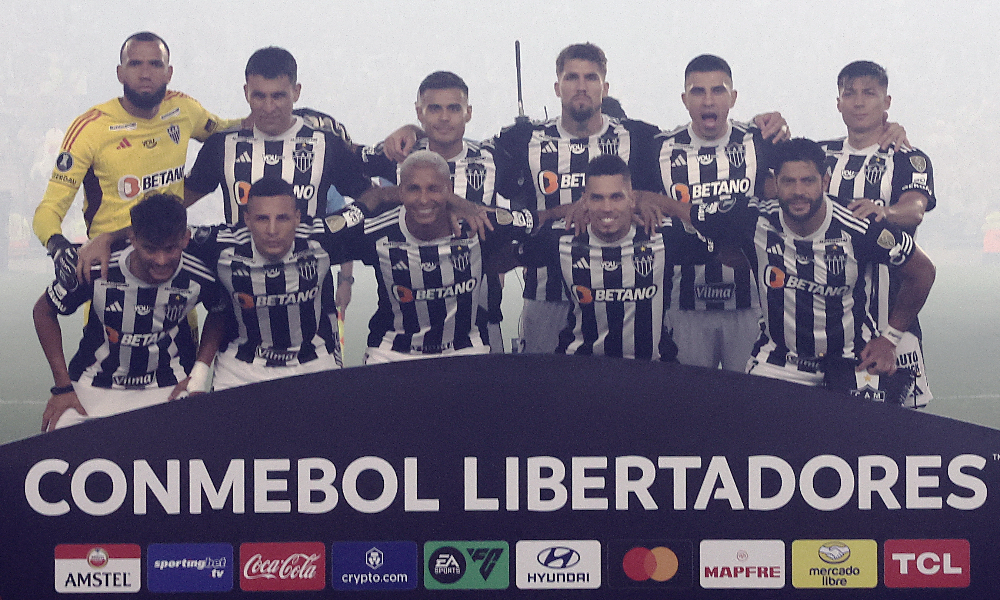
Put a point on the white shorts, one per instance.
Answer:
(909, 354)
(232, 372)
(540, 325)
(708, 338)
(378, 356)
(103, 402)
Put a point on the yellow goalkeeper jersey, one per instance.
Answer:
(119, 158)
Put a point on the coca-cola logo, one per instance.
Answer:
(283, 566)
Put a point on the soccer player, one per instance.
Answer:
(431, 287)
(811, 258)
(280, 145)
(122, 149)
(713, 312)
(614, 272)
(136, 346)
(443, 111)
(276, 271)
(880, 184)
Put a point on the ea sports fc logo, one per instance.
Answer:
(642, 564)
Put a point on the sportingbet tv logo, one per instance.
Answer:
(467, 565)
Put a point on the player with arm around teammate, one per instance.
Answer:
(894, 184)
(810, 256)
(136, 346)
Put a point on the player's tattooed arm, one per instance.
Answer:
(916, 278)
(50, 337)
(773, 127)
(400, 143)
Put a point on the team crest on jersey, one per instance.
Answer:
(64, 162)
(174, 132)
(609, 145)
(919, 163)
(875, 169)
(303, 157)
(176, 305)
(736, 154)
(577, 148)
(642, 260)
(836, 259)
(308, 269)
(460, 258)
(475, 175)
(706, 159)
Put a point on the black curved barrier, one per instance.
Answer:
(602, 478)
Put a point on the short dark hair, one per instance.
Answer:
(158, 219)
(862, 68)
(442, 80)
(586, 51)
(799, 149)
(270, 186)
(143, 36)
(609, 164)
(707, 63)
(272, 62)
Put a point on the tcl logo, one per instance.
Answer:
(282, 566)
(926, 563)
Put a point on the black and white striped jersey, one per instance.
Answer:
(137, 335)
(282, 313)
(543, 164)
(729, 169)
(882, 176)
(431, 294)
(312, 160)
(616, 289)
(473, 171)
(814, 290)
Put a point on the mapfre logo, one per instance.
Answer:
(927, 563)
(282, 566)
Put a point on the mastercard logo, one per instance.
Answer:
(548, 182)
(642, 564)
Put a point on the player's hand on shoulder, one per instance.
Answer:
(577, 217)
(649, 212)
(96, 251)
(865, 208)
(476, 216)
(56, 406)
(65, 256)
(400, 143)
(893, 135)
(773, 127)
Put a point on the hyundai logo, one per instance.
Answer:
(558, 557)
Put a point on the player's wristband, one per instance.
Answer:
(892, 334)
(61, 389)
(198, 381)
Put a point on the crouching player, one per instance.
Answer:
(137, 344)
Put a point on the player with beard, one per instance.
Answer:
(122, 150)
(811, 259)
(876, 182)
